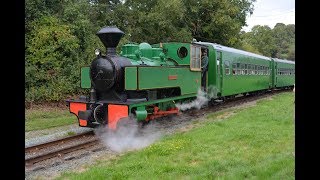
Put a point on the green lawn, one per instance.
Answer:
(43, 118)
(255, 142)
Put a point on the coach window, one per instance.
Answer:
(195, 64)
(245, 69)
(238, 69)
(234, 68)
(227, 67)
(242, 68)
(249, 68)
(265, 70)
(252, 69)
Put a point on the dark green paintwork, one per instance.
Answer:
(162, 100)
(235, 84)
(171, 50)
(141, 113)
(85, 78)
(283, 80)
(145, 54)
(158, 77)
(130, 78)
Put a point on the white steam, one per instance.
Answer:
(202, 99)
(128, 136)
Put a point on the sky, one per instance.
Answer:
(271, 12)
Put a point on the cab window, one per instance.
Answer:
(195, 58)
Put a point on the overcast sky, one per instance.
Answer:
(271, 12)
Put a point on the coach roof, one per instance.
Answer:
(229, 49)
(283, 61)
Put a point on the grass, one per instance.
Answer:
(254, 142)
(43, 118)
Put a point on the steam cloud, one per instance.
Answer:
(131, 137)
(128, 137)
(201, 100)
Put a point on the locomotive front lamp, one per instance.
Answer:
(97, 52)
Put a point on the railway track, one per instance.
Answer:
(60, 148)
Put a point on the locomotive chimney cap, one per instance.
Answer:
(110, 36)
(110, 29)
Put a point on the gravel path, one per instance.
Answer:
(45, 135)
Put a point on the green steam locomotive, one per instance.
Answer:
(148, 81)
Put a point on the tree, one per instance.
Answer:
(217, 21)
(278, 42)
(51, 59)
(284, 37)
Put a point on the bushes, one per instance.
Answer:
(52, 61)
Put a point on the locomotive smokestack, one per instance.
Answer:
(110, 37)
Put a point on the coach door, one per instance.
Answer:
(275, 73)
(219, 70)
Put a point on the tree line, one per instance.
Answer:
(60, 34)
(278, 42)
